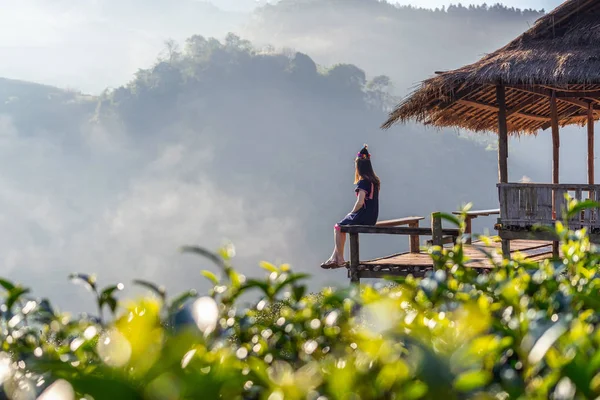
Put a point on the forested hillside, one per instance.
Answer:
(406, 43)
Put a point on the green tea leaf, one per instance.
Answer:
(472, 380)
(211, 277)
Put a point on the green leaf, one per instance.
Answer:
(218, 261)
(6, 285)
(88, 281)
(14, 296)
(580, 206)
(157, 290)
(472, 380)
(107, 292)
(253, 283)
(269, 267)
(290, 279)
(414, 390)
(449, 217)
(211, 277)
(299, 292)
(106, 297)
(105, 388)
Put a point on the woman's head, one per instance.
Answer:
(364, 168)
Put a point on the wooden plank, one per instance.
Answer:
(480, 213)
(399, 221)
(354, 258)
(394, 230)
(531, 235)
(384, 274)
(502, 135)
(417, 264)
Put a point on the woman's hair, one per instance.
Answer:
(364, 168)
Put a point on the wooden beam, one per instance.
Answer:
(521, 105)
(579, 103)
(489, 107)
(457, 96)
(547, 91)
(502, 135)
(569, 97)
(590, 139)
(565, 116)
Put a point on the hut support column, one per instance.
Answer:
(502, 151)
(502, 135)
(590, 140)
(555, 159)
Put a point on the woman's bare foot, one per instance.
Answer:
(333, 263)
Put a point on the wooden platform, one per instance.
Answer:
(417, 264)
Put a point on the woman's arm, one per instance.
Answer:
(360, 200)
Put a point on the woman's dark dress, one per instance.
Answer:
(368, 214)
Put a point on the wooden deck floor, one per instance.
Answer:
(418, 263)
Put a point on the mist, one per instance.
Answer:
(202, 142)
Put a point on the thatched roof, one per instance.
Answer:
(560, 53)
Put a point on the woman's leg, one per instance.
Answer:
(339, 241)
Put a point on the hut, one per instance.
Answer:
(547, 78)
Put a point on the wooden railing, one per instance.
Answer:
(527, 204)
(392, 227)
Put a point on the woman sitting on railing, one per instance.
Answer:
(366, 208)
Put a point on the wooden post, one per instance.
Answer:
(555, 158)
(502, 135)
(436, 230)
(555, 138)
(469, 228)
(590, 140)
(354, 258)
(502, 150)
(414, 245)
(506, 249)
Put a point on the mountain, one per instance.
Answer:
(217, 140)
(406, 43)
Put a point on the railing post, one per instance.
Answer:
(506, 249)
(354, 258)
(413, 244)
(436, 230)
(469, 228)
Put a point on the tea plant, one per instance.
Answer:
(524, 330)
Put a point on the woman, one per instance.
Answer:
(366, 208)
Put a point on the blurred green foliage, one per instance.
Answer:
(524, 330)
